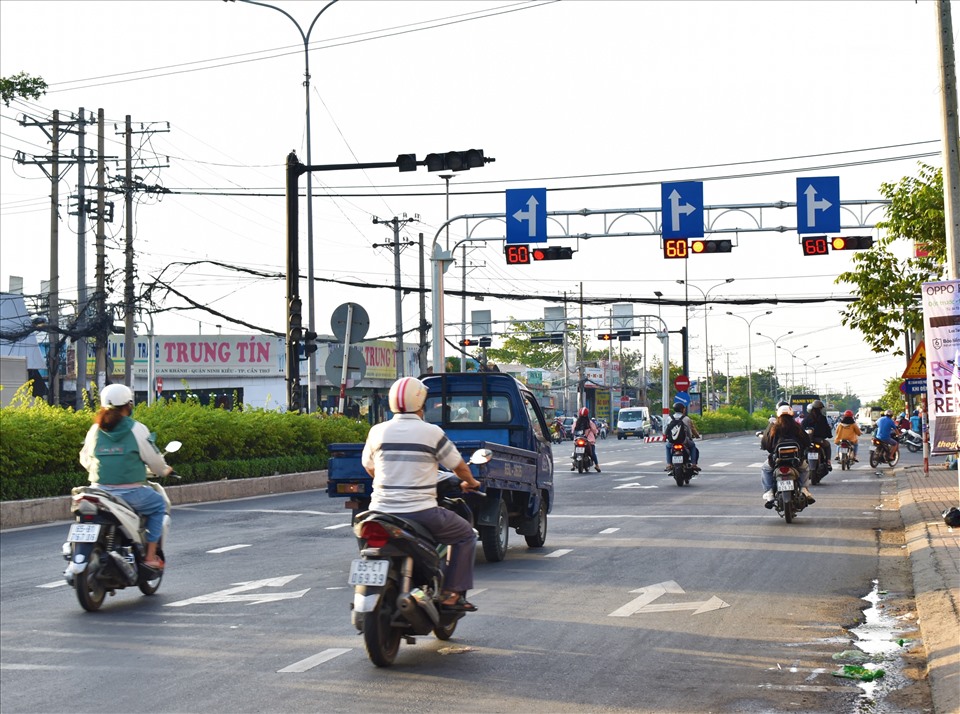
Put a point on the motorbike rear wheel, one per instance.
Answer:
(788, 510)
(149, 587)
(380, 639)
(90, 592)
(874, 461)
(445, 632)
(914, 448)
(895, 460)
(678, 476)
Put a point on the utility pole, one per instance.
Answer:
(951, 137)
(396, 223)
(100, 364)
(81, 344)
(422, 351)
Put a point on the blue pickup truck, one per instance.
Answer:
(478, 410)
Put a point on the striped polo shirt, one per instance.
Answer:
(404, 453)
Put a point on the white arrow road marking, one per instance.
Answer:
(530, 216)
(677, 208)
(645, 603)
(227, 548)
(54, 584)
(558, 553)
(813, 205)
(719, 465)
(233, 594)
(608, 531)
(312, 661)
(632, 485)
(338, 525)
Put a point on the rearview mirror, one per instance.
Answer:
(173, 446)
(481, 456)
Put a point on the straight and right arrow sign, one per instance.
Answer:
(818, 204)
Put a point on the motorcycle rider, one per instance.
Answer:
(402, 455)
(916, 424)
(817, 421)
(887, 430)
(590, 431)
(785, 428)
(849, 430)
(116, 453)
(680, 414)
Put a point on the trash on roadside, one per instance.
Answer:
(951, 517)
(455, 650)
(856, 671)
(852, 656)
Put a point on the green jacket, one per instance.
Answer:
(122, 455)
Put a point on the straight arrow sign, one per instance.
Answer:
(645, 603)
(241, 593)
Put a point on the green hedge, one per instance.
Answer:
(40, 444)
(729, 419)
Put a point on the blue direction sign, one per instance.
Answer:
(683, 398)
(682, 205)
(818, 205)
(526, 215)
(914, 386)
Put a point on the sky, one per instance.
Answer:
(598, 102)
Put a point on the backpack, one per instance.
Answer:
(676, 431)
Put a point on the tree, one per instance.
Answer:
(892, 398)
(21, 85)
(888, 288)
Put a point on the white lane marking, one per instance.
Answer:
(758, 465)
(649, 463)
(312, 661)
(632, 485)
(686, 516)
(720, 464)
(47, 667)
(629, 478)
(608, 531)
(241, 593)
(338, 525)
(614, 463)
(558, 553)
(227, 548)
(54, 584)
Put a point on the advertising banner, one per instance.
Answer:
(941, 322)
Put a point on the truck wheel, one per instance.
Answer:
(494, 538)
(540, 537)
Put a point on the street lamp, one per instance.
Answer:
(773, 393)
(750, 356)
(807, 364)
(311, 311)
(793, 357)
(706, 335)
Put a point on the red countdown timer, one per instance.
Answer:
(517, 254)
(675, 248)
(815, 245)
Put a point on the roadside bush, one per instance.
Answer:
(728, 419)
(40, 444)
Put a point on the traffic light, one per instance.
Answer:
(815, 245)
(555, 338)
(407, 162)
(851, 242)
(606, 336)
(468, 343)
(675, 248)
(456, 160)
(295, 320)
(309, 344)
(710, 246)
(554, 252)
(485, 341)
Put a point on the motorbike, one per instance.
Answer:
(106, 545)
(788, 497)
(603, 430)
(845, 453)
(581, 453)
(817, 462)
(912, 440)
(682, 470)
(398, 578)
(880, 454)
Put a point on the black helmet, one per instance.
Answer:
(679, 406)
(817, 404)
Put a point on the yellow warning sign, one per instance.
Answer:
(917, 368)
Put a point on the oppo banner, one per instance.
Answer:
(941, 322)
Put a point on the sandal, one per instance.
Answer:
(154, 564)
(458, 605)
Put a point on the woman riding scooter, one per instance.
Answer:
(590, 431)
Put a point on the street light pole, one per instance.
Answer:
(793, 363)
(750, 356)
(705, 392)
(774, 341)
(311, 303)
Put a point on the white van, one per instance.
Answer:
(633, 421)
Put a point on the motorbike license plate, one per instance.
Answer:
(785, 485)
(368, 572)
(844, 450)
(83, 532)
(677, 459)
(580, 450)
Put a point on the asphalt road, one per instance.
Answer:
(646, 597)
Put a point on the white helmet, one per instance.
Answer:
(407, 394)
(116, 395)
(784, 409)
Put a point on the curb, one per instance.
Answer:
(936, 608)
(31, 512)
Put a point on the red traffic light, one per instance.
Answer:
(468, 343)
(554, 252)
(606, 336)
